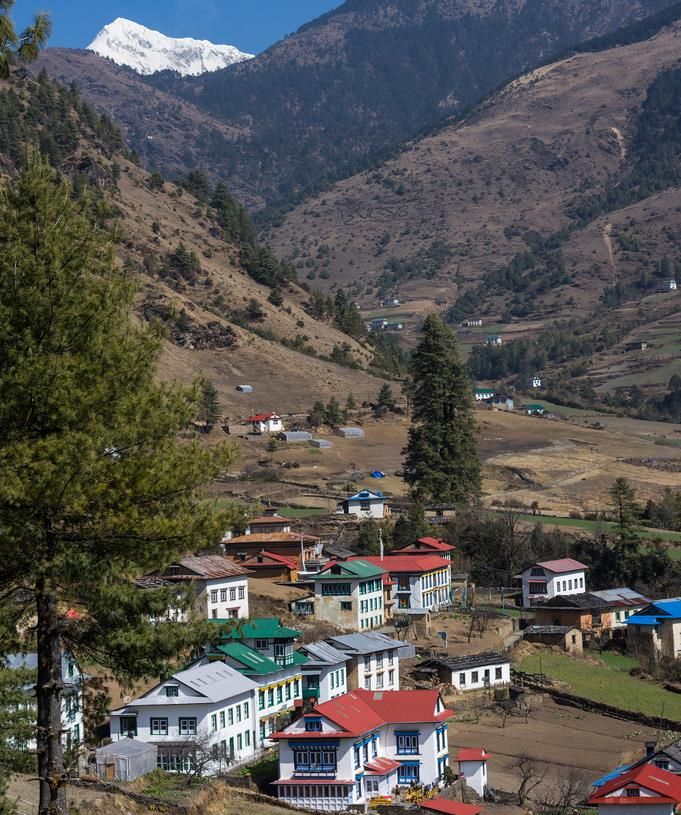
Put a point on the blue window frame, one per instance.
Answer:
(313, 725)
(314, 759)
(336, 589)
(408, 773)
(407, 743)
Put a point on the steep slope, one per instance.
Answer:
(147, 52)
(459, 204)
(357, 82)
(219, 320)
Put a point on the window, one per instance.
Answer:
(391, 677)
(270, 697)
(474, 677)
(280, 694)
(497, 673)
(214, 722)
(407, 743)
(581, 582)
(238, 713)
(261, 645)
(232, 595)
(313, 725)
(574, 639)
(261, 700)
(333, 680)
(336, 590)
(365, 506)
(187, 726)
(159, 727)
(222, 718)
(239, 741)
(230, 715)
(633, 792)
(662, 763)
(223, 595)
(242, 593)
(129, 726)
(408, 773)
(214, 596)
(245, 710)
(172, 690)
(371, 786)
(346, 605)
(247, 738)
(379, 681)
(537, 588)
(462, 679)
(358, 756)
(288, 690)
(391, 657)
(296, 688)
(537, 571)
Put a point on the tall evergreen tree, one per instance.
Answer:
(96, 486)
(23, 47)
(410, 526)
(209, 407)
(441, 459)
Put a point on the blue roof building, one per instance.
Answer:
(364, 504)
(655, 631)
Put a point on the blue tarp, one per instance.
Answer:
(377, 474)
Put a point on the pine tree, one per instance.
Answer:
(410, 526)
(209, 406)
(16, 48)
(333, 414)
(96, 486)
(441, 459)
(17, 726)
(317, 414)
(624, 501)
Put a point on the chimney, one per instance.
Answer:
(650, 748)
(380, 544)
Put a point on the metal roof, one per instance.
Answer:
(470, 661)
(622, 597)
(253, 661)
(323, 653)
(126, 747)
(570, 601)
(207, 567)
(549, 629)
(565, 564)
(351, 568)
(365, 643)
(262, 628)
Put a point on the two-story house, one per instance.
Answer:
(374, 659)
(349, 594)
(426, 546)
(325, 672)
(420, 581)
(262, 649)
(655, 631)
(623, 603)
(360, 746)
(220, 586)
(546, 579)
(590, 614)
(643, 790)
(270, 533)
(208, 707)
(72, 727)
(364, 504)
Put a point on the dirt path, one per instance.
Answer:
(607, 240)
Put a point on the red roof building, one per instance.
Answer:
(447, 807)
(424, 546)
(648, 787)
(421, 582)
(272, 564)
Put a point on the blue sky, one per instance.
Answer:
(251, 25)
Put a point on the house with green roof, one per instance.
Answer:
(349, 594)
(262, 649)
(482, 394)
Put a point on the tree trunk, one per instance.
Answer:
(48, 692)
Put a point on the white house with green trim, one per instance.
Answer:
(482, 394)
(349, 594)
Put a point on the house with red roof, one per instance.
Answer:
(642, 790)
(549, 578)
(265, 423)
(360, 746)
(420, 582)
(272, 565)
(426, 546)
(271, 533)
(446, 806)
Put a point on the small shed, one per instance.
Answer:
(295, 436)
(350, 432)
(323, 444)
(534, 410)
(125, 760)
(245, 388)
(566, 637)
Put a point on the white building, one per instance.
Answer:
(206, 707)
(672, 285)
(418, 581)
(220, 585)
(349, 594)
(472, 672)
(473, 769)
(641, 790)
(542, 581)
(363, 504)
(624, 602)
(72, 727)
(374, 659)
(483, 394)
(360, 746)
(325, 672)
(535, 382)
(266, 423)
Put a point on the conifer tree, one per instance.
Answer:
(209, 407)
(96, 487)
(23, 47)
(441, 459)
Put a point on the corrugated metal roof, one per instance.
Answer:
(365, 643)
(352, 568)
(565, 564)
(253, 661)
(208, 567)
(126, 747)
(322, 652)
(622, 597)
(262, 628)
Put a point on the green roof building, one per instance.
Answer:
(350, 594)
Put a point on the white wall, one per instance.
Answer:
(376, 509)
(475, 773)
(379, 670)
(428, 590)
(475, 677)
(226, 593)
(564, 583)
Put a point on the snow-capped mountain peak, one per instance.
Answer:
(147, 51)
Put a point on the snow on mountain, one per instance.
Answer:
(147, 51)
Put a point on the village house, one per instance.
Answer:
(473, 769)
(546, 579)
(623, 603)
(535, 382)
(494, 339)
(219, 585)
(71, 698)
(483, 394)
(265, 423)
(590, 614)
(501, 401)
(534, 409)
(472, 322)
(472, 672)
(642, 790)
(419, 581)
(271, 565)
(374, 659)
(325, 672)
(655, 631)
(566, 637)
(350, 594)
(270, 533)
(262, 649)
(426, 546)
(364, 504)
(671, 285)
(208, 707)
(360, 746)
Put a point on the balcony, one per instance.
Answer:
(311, 693)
